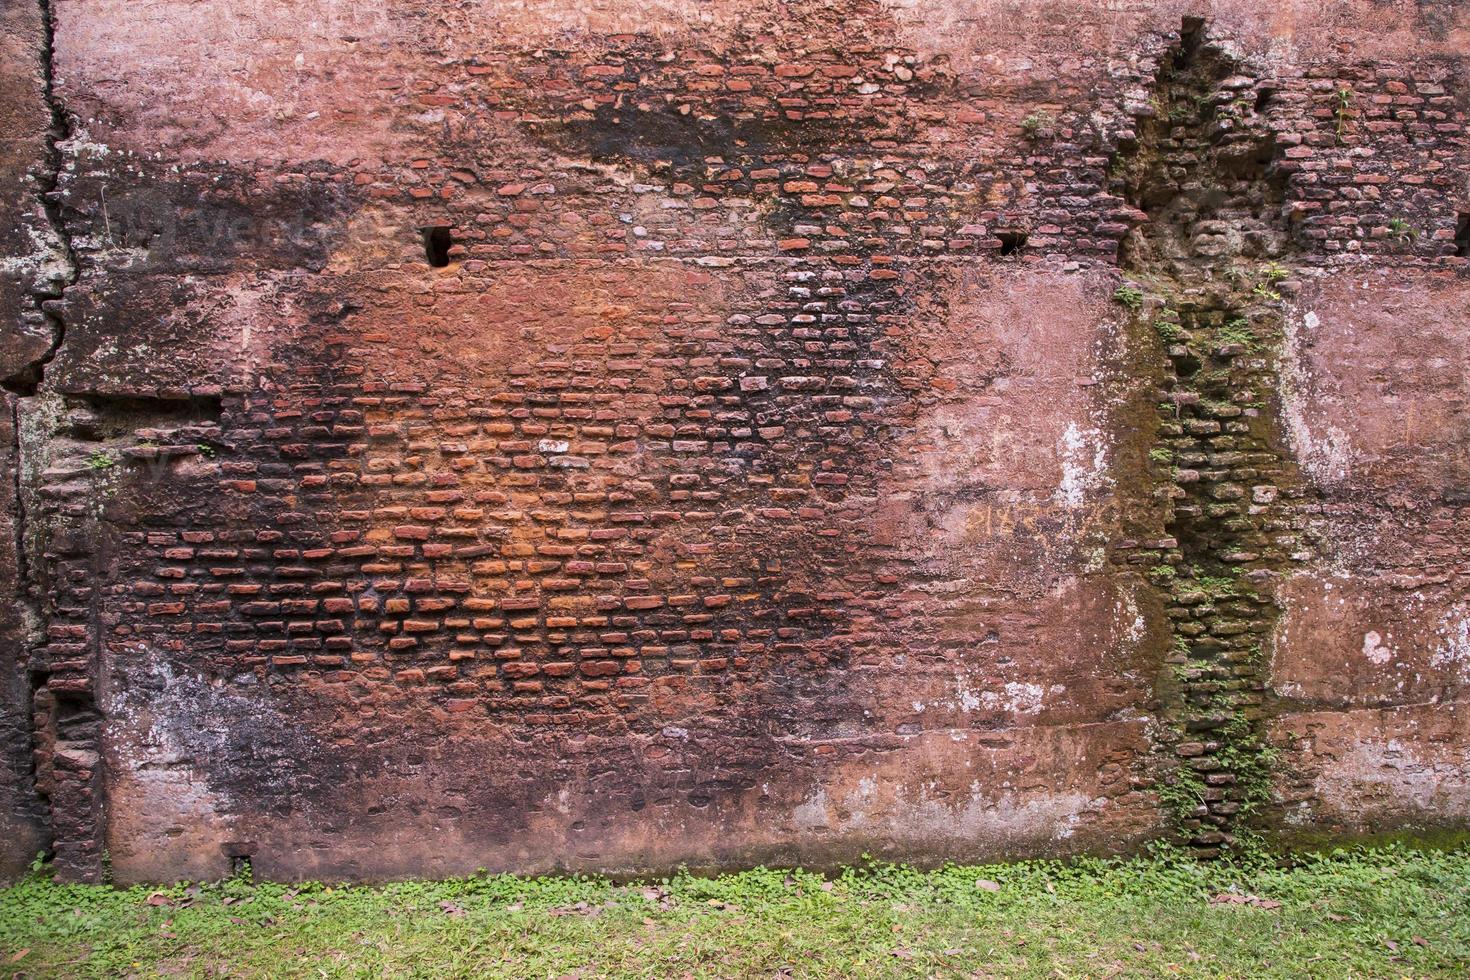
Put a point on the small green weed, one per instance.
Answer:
(1036, 123)
(1169, 333)
(1129, 297)
(1237, 331)
(1267, 276)
(1344, 100)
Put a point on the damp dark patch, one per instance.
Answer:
(180, 405)
(212, 220)
(1435, 18)
(24, 382)
(1191, 35)
(104, 416)
(682, 140)
(1456, 497)
(262, 755)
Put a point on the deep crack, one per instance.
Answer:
(48, 301)
(48, 295)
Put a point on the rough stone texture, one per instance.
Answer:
(762, 469)
(28, 259)
(1372, 657)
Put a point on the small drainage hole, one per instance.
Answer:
(1011, 242)
(437, 242)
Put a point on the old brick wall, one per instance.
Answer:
(31, 271)
(612, 435)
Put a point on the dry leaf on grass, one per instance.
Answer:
(1254, 901)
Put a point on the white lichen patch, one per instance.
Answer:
(1083, 453)
(81, 146)
(1018, 698)
(1377, 776)
(1374, 648)
(926, 813)
(1454, 641)
(1131, 618)
(1325, 453)
(971, 694)
(44, 263)
(812, 813)
(172, 727)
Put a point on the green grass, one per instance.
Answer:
(1389, 912)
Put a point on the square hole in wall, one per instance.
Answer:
(1462, 236)
(437, 243)
(1011, 241)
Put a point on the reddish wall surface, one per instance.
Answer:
(736, 493)
(26, 268)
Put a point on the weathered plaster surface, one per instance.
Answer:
(767, 475)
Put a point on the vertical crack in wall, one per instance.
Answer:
(49, 294)
(1208, 283)
(59, 603)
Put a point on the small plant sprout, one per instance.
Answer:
(1266, 279)
(1129, 296)
(1237, 331)
(1036, 122)
(1344, 100)
(101, 459)
(1401, 230)
(1169, 333)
